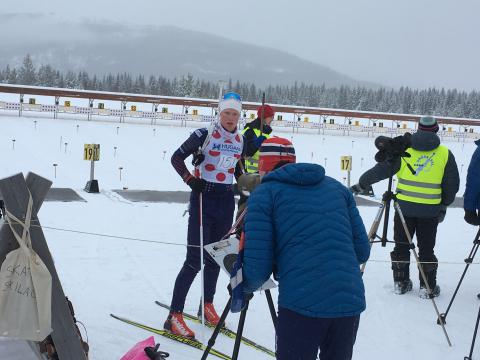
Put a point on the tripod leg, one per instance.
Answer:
(241, 323)
(271, 306)
(420, 268)
(213, 338)
(469, 357)
(372, 234)
(468, 260)
(376, 222)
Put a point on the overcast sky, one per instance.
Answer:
(418, 43)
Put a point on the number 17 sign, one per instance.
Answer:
(346, 163)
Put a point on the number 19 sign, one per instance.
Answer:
(91, 152)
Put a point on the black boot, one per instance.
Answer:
(401, 274)
(430, 270)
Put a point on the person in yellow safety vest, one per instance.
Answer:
(253, 139)
(423, 198)
(254, 136)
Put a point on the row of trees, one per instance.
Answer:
(433, 101)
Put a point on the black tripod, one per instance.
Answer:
(384, 208)
(468, 261)
(469, 357)
(241, 323)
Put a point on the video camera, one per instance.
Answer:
(392, 148)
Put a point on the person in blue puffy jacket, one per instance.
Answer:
(471, 198)
(305, 228)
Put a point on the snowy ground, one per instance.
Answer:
(104, 275)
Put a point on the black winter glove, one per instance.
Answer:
(154, 354)
(472, 218)
(198, 159)
(196, 184)
(356, 189)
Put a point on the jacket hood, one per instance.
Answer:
(298, 174)
(425, 141)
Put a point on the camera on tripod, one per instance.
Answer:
(392, 148)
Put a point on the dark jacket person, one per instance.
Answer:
(471, 203)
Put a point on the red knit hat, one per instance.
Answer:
(267, 112)
(273, 151)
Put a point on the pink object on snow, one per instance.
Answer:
(137, 352)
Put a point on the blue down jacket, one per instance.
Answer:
(305, 227)
(471, 201)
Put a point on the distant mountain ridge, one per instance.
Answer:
(103, 48)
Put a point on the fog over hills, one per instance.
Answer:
(102, 48)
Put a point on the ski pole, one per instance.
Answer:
(199, 175)
(234, 227)
(262, 115)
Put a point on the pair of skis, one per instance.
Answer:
(193, 342)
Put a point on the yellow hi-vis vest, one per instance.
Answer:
(251, 163)
(425, 186)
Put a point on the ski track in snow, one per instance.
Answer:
(104, 275)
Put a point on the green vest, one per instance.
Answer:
(251, 163)
(425, 186)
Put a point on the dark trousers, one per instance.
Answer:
(426, 232)
(218, 208)
(300, 337)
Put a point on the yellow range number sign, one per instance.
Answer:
(346, 163)
(91, 152)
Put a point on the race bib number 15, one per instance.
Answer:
(226, 162)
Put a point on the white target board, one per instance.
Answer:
(225, 252)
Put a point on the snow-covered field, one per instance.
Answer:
(104, 275)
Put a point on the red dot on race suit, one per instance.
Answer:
(221, 177)
(214, 153)
(237, 156)
(228, 141)
(209, 167)
(216, 134)
(231, 170)
(237, 138)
